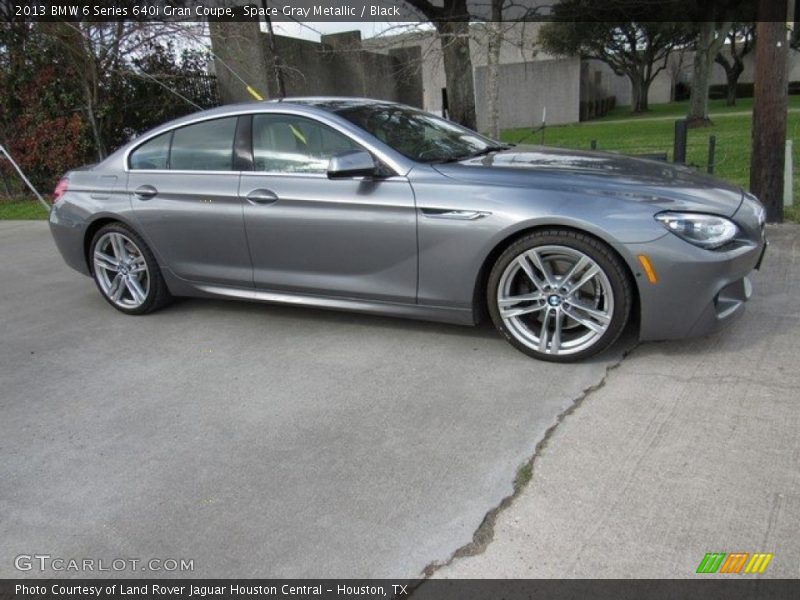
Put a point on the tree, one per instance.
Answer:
(99, 55)
(93, 52)
(451, 21)
(714, 24)
(39, 122)
(741, 40)
(499, 32)
(494, 45)
(710, 40)
(633, 38)
(48, 102)
(160, 85)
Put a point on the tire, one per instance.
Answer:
(126, 272)
(559, 295)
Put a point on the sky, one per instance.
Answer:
(311, 31)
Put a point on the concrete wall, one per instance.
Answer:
(620, 86)
(748, 75)
(241, 47)
(519, 46)
(527, 88)
(335, 66)
(679, 69)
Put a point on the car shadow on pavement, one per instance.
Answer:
(484, 331)
(263, 310)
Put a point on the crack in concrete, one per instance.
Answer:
(484, 534)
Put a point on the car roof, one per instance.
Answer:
(334, 103)
(302, 105)
(330, 104)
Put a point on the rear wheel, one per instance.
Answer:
(559, 295)
(126, 272)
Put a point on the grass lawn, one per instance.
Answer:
(22, 209)
(620, 132)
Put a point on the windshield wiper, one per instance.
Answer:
(490, 149)
(485, 151)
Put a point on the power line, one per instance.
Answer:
(165, 86)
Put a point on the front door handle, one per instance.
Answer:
(262, 196)
(145, 192)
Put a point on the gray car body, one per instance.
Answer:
(420, 242)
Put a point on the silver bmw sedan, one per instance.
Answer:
(371, 206)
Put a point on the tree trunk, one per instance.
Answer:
(732, 79)
(644, 98)
(636, 93)
(454, 38)
(734, 66)
(770, 107)
(493, 77)
(708, 46)
(701, 71)
(90, 98)
(730, 91)
(99, 146)
(640, 89)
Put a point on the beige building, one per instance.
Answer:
(407, 66)
(532, 81)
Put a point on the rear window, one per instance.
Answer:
(153, 154)
(206, 146)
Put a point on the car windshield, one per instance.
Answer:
(418, 135)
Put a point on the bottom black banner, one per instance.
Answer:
(374, 589)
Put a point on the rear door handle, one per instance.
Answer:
(145, 192)
(262, 196)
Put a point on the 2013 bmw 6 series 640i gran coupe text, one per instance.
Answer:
(372, 206)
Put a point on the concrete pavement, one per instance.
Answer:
(255, 440)
(264, 441)
(690, 447)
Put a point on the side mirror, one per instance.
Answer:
(354, 163)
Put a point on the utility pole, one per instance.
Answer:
(770, 107)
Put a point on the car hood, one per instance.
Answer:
(668, 186)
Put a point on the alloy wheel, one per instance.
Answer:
(555, 300)
(121, 270)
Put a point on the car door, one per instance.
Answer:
(353, 237)
(185, 195)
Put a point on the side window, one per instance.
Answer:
(206, 146)
(289, 144)
(152, 154)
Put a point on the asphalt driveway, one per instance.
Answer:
(254, 440)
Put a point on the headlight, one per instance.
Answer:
(706, 231)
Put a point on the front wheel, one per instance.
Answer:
(126, 272)
(559, 295)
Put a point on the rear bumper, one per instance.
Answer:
(68, 234)
(698, 291)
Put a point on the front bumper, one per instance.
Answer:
(698, 291)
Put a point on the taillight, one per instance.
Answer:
(60, 190)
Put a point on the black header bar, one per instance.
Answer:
(398, 11)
